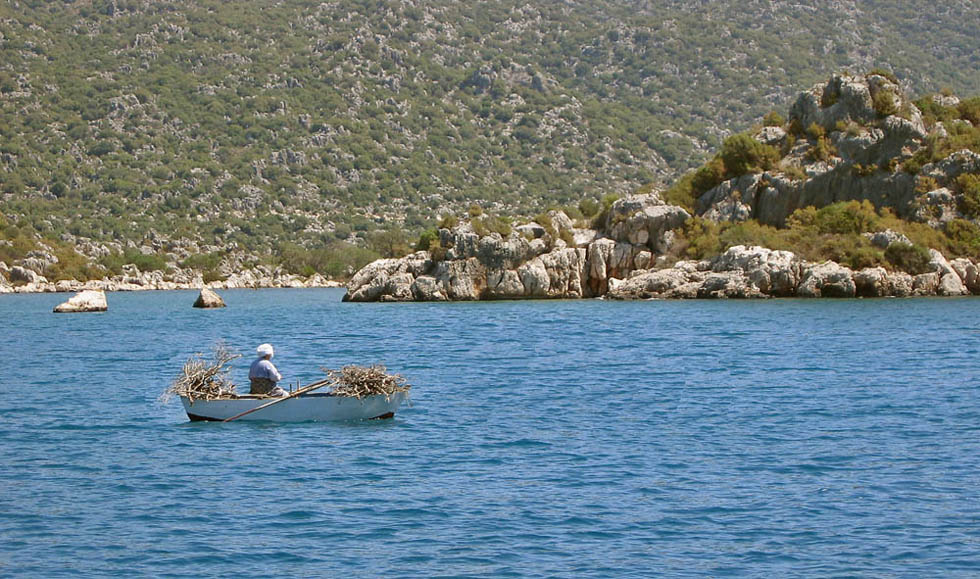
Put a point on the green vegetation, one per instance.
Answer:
(969, 186)
(144, 262)
(427, 239)
(486, 225)
(911, 258)
(742, 154)
(885, 103)
(336, 260)
(773, 119)
(834, 233)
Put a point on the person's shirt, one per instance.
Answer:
(263, 368)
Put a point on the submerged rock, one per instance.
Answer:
(208, 298)
(84, 301)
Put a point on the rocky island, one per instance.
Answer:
(854, 156)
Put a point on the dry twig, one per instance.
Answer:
(360, 381)
(205, 379)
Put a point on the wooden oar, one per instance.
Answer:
(302, 390)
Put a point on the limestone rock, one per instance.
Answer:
(462, 280)
(900, 284)
(606, 258)
(427, 288)
(535, 279)
(925, 284)
(728, 284)
(771, 135)
(771, 272)
(644, 220)
(884, 239)
(950, 284)
(842, 99)
(939, 264)
(504, 284)
(968, 272)
(827, 279)
(560, 220)
(732, 200)
(22, 274)
(208, 298)
(495, 252)
(871, 282)
(649, 284)
(85, 301)
(461, 241)
(954, 165)
(371, 281)
(398, 288)
(559, 274)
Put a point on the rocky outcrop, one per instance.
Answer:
(827, 279)
(865, 129)
(644, 220)
(208, 298)
(85, 301)
(753, 272)
(533, 261)
(26, 275)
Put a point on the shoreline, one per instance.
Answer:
(73, 286)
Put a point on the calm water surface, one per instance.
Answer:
(580, 438)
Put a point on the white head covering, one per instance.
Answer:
(265, 350)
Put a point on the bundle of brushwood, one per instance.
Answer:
(202, 379)
(360, 381)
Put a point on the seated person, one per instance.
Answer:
(263, 375)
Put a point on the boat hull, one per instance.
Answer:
(313, 407)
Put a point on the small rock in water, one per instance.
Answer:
(209, 299)
(84, 301)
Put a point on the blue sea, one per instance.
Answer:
(585, 438)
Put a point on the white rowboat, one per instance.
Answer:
(308, 407)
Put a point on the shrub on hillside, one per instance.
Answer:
(850, 250)
(742, 154)
(589, 207)
(426, 239)
(114, 262)
(448, 222)
(682, 192)
(335, 260)
(969, 110)
(913, 258)
(773, 119)
(841, 218)
(963, 238)
(487, 224)
(708, 176)
(885, 103)
(969, 201)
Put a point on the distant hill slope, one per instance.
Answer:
(246, 124)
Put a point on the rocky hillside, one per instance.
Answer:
(243, 132)
(861, 192)
(854, 138)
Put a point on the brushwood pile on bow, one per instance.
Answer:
(360, 381)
